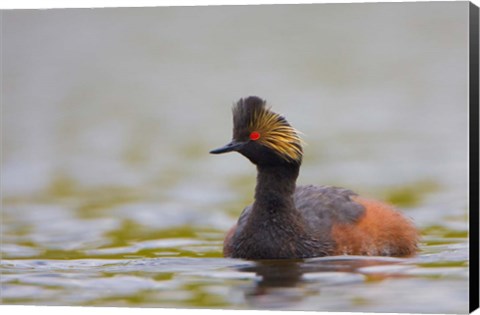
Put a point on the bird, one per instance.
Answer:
(286, 221)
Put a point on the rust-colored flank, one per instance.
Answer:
(381, 231)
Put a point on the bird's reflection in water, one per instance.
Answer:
(282, 284)
(278, 284)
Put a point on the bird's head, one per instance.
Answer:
(261, 135)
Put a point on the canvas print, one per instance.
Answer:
(274, 157)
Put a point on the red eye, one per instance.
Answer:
(254, 135)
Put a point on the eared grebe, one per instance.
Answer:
(288, 221)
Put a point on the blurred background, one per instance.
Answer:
(109, 114)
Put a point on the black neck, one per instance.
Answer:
(275, 188)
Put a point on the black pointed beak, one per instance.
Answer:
(232, 146)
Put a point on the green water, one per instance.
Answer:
(109, 195)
